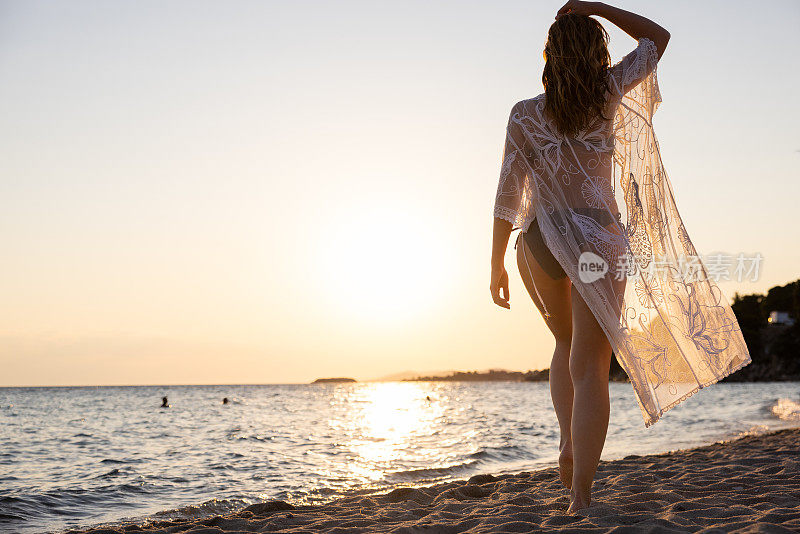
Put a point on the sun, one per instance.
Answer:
(388, 271)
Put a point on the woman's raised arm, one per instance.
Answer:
(634, 25)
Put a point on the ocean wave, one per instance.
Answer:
(205, 509)
(756, 430)
(113, 473)
(786, 410)
(124, 461)
(431, 473)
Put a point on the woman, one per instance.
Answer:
(603, 251)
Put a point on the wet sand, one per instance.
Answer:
(748, 485)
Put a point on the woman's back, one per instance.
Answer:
(576, 169)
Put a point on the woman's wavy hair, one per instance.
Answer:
(574, 77)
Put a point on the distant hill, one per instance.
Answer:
(489, 375)
(454, 375)
(492, 375)
(408, 375)
(503, 375)
(332, 380)
(774, 347)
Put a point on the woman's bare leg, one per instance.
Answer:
(589, 362)
(556, 296)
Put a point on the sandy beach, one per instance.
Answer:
(751, 484)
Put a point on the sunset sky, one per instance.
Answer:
(260, 192)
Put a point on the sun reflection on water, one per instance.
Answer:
(389, 427)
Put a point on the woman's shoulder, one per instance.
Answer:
(529, 105)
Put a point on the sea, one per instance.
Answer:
(86, 456)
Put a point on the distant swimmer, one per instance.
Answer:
(225, 400)
(164, 402)
(428, 398)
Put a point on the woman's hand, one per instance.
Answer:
(500, 281)
(576, 7)
(500, 234)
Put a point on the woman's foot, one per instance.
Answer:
(565, 467)
(578, 502)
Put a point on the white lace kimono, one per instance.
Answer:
(669, 325)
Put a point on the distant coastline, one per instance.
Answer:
(503, 375)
